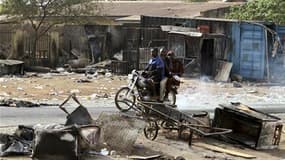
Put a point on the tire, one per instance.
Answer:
(171, 98)
(122, 102)
(151, 130)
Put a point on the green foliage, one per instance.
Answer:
(39, 11)
(196, 0)
(44, 14)
(261, 10)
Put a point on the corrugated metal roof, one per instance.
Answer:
(10, 62)
(156, 8)
(191, 34)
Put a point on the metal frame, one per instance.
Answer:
(153, 112)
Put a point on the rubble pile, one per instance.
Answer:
(79, 137)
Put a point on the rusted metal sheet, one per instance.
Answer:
(250, 127)
(144, 54)
(119, 67)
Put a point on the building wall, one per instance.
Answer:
(249, 50)
(244, 45)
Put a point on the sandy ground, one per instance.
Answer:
(59, 86)
(193, 92)
(199, 92)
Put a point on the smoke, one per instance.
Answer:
(205, 94)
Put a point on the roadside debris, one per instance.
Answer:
(250, 127)
(80, 116)
(82, 135)
(237, 84)
(18, 144)
(83, 81)
(236, 77)
(22, 103)
(222, 150)
(38, 69)
(144, 157)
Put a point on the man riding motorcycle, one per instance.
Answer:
(155, 72)
(145, 86)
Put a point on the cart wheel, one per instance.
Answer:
(167, 125)
(151, 130)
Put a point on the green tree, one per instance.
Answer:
(44, 14)
(261, 10)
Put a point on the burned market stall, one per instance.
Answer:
(217, 47)
(102, 38)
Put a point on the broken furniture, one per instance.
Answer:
(68, 143)
(116, 131)
(250, 127)
(79, 116)
(79, 136)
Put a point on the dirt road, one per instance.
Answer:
(193, 92)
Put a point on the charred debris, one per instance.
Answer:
(82, 137)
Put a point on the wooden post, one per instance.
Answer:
(267, 58)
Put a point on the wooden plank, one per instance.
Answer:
(222, 150)
(224, 72)
(144, 157)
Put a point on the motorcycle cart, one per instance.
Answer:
(159, 115)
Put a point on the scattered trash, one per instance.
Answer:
(60, 70)
(222, 150)
(236, 77)
(83, 81)
(4, 94)
(108, 74)
(104, 151)
(144, 157)
(18, 144)
(22, 103)
(20, 89)
(39, 87)
(237, 84)
(74, 91)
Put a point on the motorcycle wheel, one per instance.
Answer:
(124, 103)
(171, 98)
